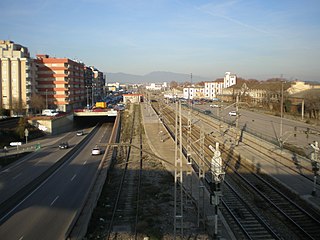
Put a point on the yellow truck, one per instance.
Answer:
(101, 105)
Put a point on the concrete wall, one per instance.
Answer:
(53, 125)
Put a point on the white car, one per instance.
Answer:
(214, 105)
(80, 133)
(233, 113)
(96, 151)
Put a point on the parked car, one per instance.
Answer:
(233, 113)
(207, 112)
(96, 151)
(49, 112)
(214, 105)
(63, 145)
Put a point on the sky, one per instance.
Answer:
(258, 39)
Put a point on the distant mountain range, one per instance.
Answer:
(154, 77)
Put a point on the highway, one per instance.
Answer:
(18, 175)
(47, 212)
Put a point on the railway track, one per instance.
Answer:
(294, 218)
(248, 224)
(125, 211)
(304, 223)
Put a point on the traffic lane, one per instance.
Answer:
(64, 192)
(52, 207)
(20, 175)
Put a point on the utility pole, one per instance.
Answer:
(237, 111)
(302, 110)
(178, 174)
(201, 181)
(189, 159)
(281, 115)
(237, 120)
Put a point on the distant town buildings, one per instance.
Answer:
(112, 87)
(211, 89)
(157, 86)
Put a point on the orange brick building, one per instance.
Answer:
(61, 82)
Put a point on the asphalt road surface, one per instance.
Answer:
(48, 211)
(268, 126)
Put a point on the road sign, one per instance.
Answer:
(15, 143)
(26, 132)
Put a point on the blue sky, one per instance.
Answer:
(252, 38)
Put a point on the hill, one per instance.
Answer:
(157, 76)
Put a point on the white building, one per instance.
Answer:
(17, 77)
(113, 86)
(229, 79)
(212, 89)
(156, 86)
(193, 92)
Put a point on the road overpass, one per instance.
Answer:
(95, 112)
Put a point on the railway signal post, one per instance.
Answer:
(315, 167)
(217, 180)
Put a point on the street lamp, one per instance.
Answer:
(46, 98)
(92, 91)
(87, 97)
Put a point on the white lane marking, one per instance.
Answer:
(37, 163)
(21, 238)
(54, 201)
(16, 176)
(84, 162)
(73, 177)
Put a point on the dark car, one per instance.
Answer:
(207, 112)
(63, 145)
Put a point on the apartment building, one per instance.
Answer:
(212, 89)
(193, 92)
(17, 75)
(61, 82)
(215, 88)
(98, 85)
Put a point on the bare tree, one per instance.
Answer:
(312, 103)
(18, 106)
(22, 124)
(173, 84)
(37, 103)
